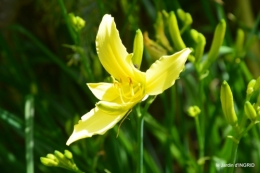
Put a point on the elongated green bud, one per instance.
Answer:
(48, 162)
(51, 156)
(257, 84)
(160, 34)
(194, 35)
(200, 43)
(175, 32)
(240, 40)
(138, 49)
(217, 42)
(165, 14)
(250, 87)
(68, 154)
(181, 14)
(226, 98)
(188, 19)
(185, 18)
(62, 159)
(250, 111)
(200, 47)
(154, 49)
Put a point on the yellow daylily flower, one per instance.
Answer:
(130, 85)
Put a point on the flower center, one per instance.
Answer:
(129, 91)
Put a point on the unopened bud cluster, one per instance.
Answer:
(176, 24)
(252, 110)
(194, 111)
(77, 22)
(62, 160)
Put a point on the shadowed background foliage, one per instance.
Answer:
(39, 65)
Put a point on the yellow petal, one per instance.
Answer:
(111, 51)
(163, 73)
(103, 91)
(94, 122)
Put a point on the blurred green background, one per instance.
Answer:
(41, 59)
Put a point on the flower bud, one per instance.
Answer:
(154, 49)
(215, 46)
(160, 34)
(250, 87)
(68, 154)
(51, 156)
(191, 58)
(193, 111)
(48, 162)
(76, 22)
(175, 32)
(138, 49)
(200, 41)
(181, 14)
(226, 98)
(58, 154)
(240, 40)
(194, 35)
(62, 159)
(165, 14)
(250, 111)
(185, 18)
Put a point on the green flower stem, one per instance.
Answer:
(248, 128)
(233, 156)
(140, 128)
(236, 143)
(169, 123)
(65, 16)
(200, 120)
(200, 139)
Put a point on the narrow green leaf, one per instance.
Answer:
(29, 143)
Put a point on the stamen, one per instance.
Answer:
(130, 81)
(120, 93)
(132, 89)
